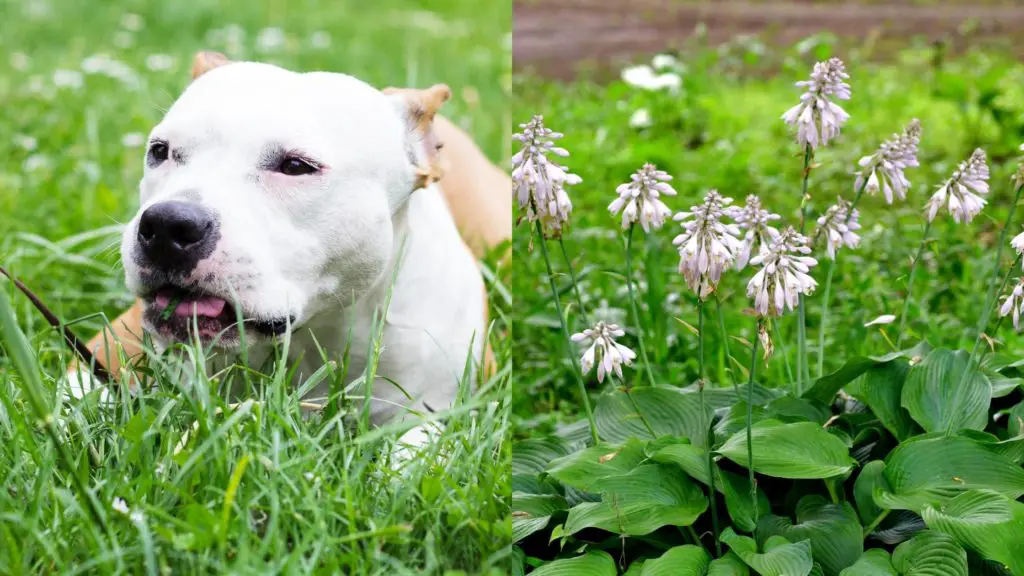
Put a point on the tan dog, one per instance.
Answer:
(477, 195)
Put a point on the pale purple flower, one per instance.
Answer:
(604, 350)
(963, 190)
(639, 199)
(817, 118)
(707, 245)
(883, 170)
(1017, 243)
(1014, 303)
(784, 274)
(753, 220)
(539, 184)
(838, 227)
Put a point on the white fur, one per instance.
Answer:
(322, 248)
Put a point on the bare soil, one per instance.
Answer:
(557, 38)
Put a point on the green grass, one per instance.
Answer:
(724, 131)
(263, 487)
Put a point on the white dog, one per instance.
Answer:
(308, 199)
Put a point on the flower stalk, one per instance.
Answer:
(910, 283)
(565, 332)
(706, 426)
(635, 308)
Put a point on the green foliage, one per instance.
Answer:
(892, 461)
(260, 488)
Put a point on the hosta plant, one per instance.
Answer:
(905, 462)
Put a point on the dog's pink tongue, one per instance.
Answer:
(207, 306)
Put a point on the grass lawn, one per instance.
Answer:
(177, 486)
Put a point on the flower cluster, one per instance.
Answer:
(707, 245)
(964, 190)
(1017, 243)
(639, 199)
(1014, 303)
(538, 182)
(838, 226)
(753, 221)
(604, 350)
(883, 170)
(783, 276)
(817, 118)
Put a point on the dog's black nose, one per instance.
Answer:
(175, 236)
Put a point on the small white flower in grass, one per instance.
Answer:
(884, 169)
(604, 351)
(1017, 243)
(25, 142)
(19, 61)
(71, 79)
(707, 245)
(137, 517)
(753, 220)
(132, 140)
(784, 274)
(1014, 303)
(881, 320)
(640, 119)
(119, 505)
(539, 183)
(270, 39)
(650, 78)
(159, 62)
(838, 227)
(320, 40)
(132, 22)
(639, 199)
(817, 118)
(963, 190)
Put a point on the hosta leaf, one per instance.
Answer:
(940, 399)
(737, 500)
(881, 388)
(797, 450)
(900, 526)
(583, 468)
(930, 553)
(735, 487)
(686, 560)
(833, 529)
(533, 455)
(780, 558)
(932, 469)
(668, 412)
(728, 565)
(790, 409)
(874, 562)
(690, 458)
(825, 388)
(1015, 420)
(719, 397)
(593, 563)
(871, 477)
(639, 502)
(986, 521)
(531, 512)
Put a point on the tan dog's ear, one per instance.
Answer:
(421, 108)
(206, 61)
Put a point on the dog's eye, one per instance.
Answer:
(295, 166)
(158, 152)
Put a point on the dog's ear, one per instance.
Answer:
(419, 108)
(206, 61)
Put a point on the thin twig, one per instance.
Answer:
(72, 341)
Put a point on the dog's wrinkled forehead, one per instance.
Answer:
(334, 117)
